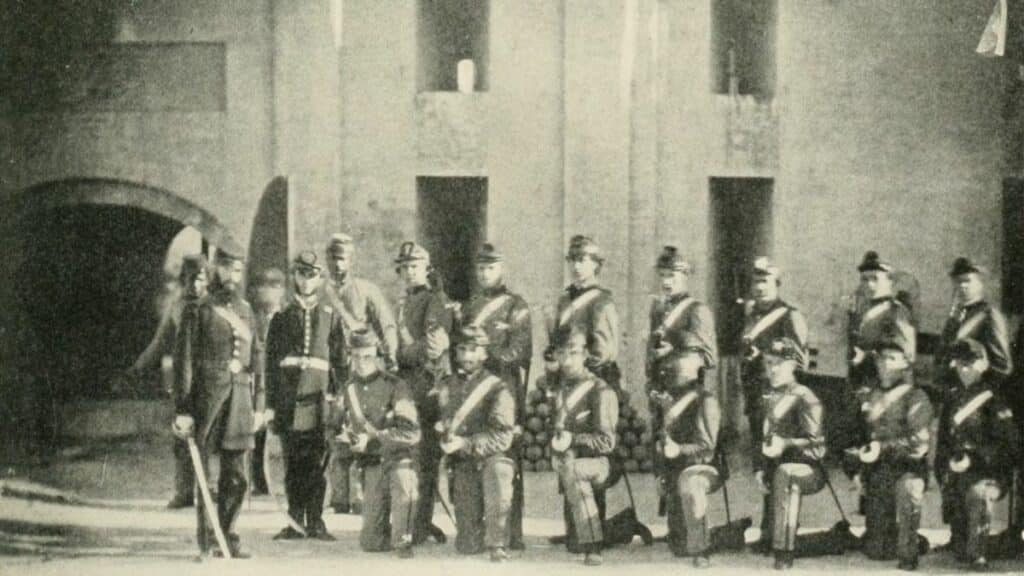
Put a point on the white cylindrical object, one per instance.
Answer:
(466, 76)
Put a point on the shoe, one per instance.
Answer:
(322, 535)
(179, 502)
(923, 545)
(404, 551)
(783, 560)
(236, 554)
(908, 564)
(593, 559)
(499, 555)
(557, 540)
(517, 545)
(356, 508)
(762, 547)
(340, 508)
(289, 533)
(437, 534)
(701, 561)
(979, 564)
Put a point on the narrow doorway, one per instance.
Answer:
(452, 223)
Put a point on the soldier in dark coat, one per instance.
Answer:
(305, 363)
(872, 320)
(214, 389)
(378, 423)
(424, 322)
(977, 450)
(193, 280)
(505, 317)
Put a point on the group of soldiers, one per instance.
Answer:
(440, 387)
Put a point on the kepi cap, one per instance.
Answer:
(581, 246)
(671, 259)
(411, 252)
(489, 254)
(307, 260)
(872, 262)
(964, 265)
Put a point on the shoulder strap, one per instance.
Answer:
(679, 407)
(235, 321)
(971, 407)
(677, 312)
(970, 324)
(490, 308)
(875, 311)
(887, 400)
(579, 303)
(355, 407)
(765, 322)
(470, 403)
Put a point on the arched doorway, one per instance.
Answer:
(82, 270)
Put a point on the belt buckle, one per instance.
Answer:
(304, 363)
(235, 366)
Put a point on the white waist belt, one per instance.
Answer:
(304, 362)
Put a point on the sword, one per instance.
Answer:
(204, 489)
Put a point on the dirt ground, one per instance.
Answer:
(117, 525)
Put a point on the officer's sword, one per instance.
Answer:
(204, 490)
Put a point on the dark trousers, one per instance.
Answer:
(232, 483)
(184, 476)
(428, 462)
(259, 483)
(304, 481)
(515, 515)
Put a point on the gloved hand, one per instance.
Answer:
(455, 444)
(773, 447)
(561, 441)
(183, 426)
(858, 356)
(664, 349)
(671, 450)
(870, 452)
(762, 484)
(359, 442)
(961, 464)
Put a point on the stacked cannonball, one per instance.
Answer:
(633, 446)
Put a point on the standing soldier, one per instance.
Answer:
(213, 390)
(193, 282)
(477, 427)
(678, 322)
(689, 438)
(268, 300)
(305, 360)
(766, 318)
(873, 320)
(505, 317)
(977, 451)
(789, 465)
(380, 427)
(361, 304)
(586, 307)
(424, 321)
(583, 438)
(892, 458)
(973, 317)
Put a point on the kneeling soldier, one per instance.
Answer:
(895, 420)
(381, 427)
(477, 427)
(689, 435)
(305, 349)
(977, 450)
(586, 414)
(789, 466)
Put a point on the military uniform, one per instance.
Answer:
(793, 414)
(505, 317)
(424, 312)
(872, 322)
(481, 408)
(387, 465)
(588, 409)
(976, 428)
(895, 430)
(214, 385)
(306, 360)
(691, 422)
(361, 304)
(763, 323)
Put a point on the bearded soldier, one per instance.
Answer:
(305, 362)
(477, 427)
(505, 317)
(213, 390)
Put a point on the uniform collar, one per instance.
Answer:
(493, 291)
(676, 298)
(882, 299)
(767, 306)
(307, 302)
(368, 379)
(575, 290)
(413, 290)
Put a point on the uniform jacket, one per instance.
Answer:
(481, 408)
(682, 321)
(385, 402)
(982, 322)
(364, 305)
(420, 310)
(793, 412)
(588, 408)
(692, 419)
(977, 422)
(306, 360)
(591, 311)
(762, 325)
(899, 419)
(877, 321)
(505, 317)
(205, 386)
